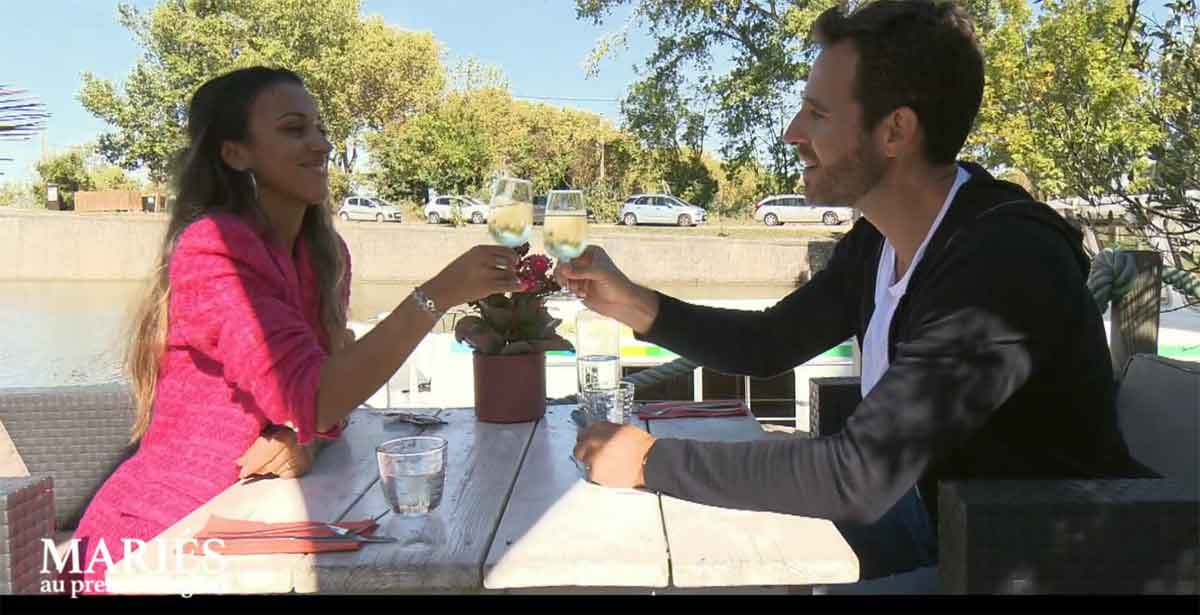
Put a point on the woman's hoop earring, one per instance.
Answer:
(253, 183)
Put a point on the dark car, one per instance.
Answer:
(539, 211)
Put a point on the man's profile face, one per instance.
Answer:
(841, 161)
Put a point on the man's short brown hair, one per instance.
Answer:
(920, 54)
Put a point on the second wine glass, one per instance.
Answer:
(565, 231)
(510, 220)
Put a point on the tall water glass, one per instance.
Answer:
(597, 350)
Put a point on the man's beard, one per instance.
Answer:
(845, 181)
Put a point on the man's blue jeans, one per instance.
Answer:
(901, 540)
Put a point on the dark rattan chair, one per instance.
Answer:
(1075, 536)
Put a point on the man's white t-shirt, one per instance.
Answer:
(888, 293)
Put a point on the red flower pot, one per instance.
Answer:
(510, 388)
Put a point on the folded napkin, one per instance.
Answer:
(220, 527)
(692, 409)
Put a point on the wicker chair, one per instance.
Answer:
(68, 440)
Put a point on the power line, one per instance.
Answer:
(603, 100)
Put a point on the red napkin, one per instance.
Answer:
(219, 527)
(693, 409)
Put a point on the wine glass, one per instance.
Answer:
(565, 228)
(510, 220)
(566, 224)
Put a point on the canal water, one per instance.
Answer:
(64, 333)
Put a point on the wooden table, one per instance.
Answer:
(515, 516)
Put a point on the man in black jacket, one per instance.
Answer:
(984, 355)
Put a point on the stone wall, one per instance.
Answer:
(74, 246)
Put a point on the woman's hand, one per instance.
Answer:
(479, 272)
(276, 452)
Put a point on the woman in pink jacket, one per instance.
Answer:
(240, 356)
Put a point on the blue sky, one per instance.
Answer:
(539, 44)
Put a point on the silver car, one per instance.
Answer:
(369, 208)
(780, 208)
(441, 209)
(660, 209)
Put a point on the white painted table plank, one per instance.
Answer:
(560, 531)
(342, 472)
(712, 547)
(555, 531)
(445, 549)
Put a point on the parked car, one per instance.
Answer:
(440, 209)
(660, 209)
(781, 208)
(1063, 207)
(1105, 207)
(369, 208)
(539, 211)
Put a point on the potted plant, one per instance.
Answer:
(510, 334)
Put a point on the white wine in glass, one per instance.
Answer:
(566, 224)
(510, 220)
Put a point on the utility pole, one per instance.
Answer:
(601, 160)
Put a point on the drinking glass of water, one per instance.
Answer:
(412, 473)
(510, 220)
(597, 350)
(612, 404)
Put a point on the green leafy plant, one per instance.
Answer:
(456, 216)
(516, 323)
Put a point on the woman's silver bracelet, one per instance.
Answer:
(426, 303)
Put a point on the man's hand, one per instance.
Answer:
(276, 452)
(614, 454)
(593, 277)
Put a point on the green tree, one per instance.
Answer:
(341, 185)
(68, 170)
(81, 168)
(446, 149)
(557, 148)
(110, 177)
(479, 130)
(471, 74)
(1018, 177)
(1175, 108)
(1065, 102)
(740, 189)
(105, 175)
(1098, 99)
(763, 43)
(363, 73)
(1167, 212)
(21, 195)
